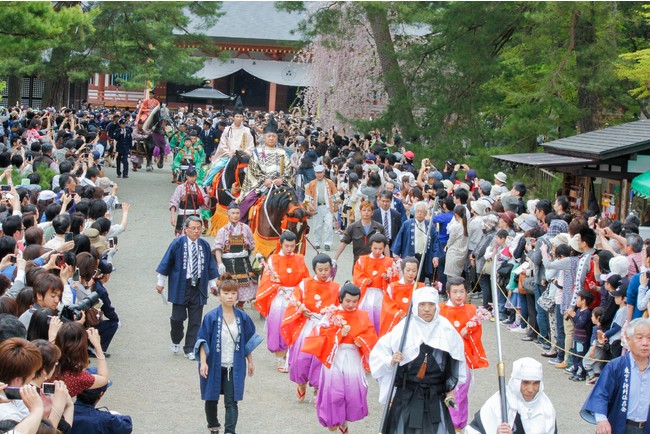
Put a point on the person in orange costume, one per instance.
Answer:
(283, 271)
(145, 108)
(303, 313)
(397, 298)
(372, 273)
(465, 320)
(342, 342)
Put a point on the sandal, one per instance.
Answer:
(215, 430)
(343, 428)
(301, 391)
(282, 365)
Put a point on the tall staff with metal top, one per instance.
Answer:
(501, 369)
(384, 418)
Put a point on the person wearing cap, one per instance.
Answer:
(208, 136)
(188, 200)
(430, 366)
(483, 193)
(500, 188)
(178, 138)
(235, 137)
(269, 166)
(232, 247)
(189, 269)
(190, 155)
(146, 107)
(321, 193)
(123, 142)
(529, 409)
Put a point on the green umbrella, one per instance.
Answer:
(641, 185)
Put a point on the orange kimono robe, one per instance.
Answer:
(395, 305)
(324, 341)
(290, 270)
(368, 273)
(459, 316)
(315, 295)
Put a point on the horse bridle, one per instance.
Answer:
(286, 219)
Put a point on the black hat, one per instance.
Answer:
(191, 171)
(233, 205)
(105, 267)
(121, 121)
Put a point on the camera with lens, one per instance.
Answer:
(73, 312)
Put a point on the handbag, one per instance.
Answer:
(505, 269)
(547, 300)
(528, 285)
(93, 316)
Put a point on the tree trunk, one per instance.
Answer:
(56, 82)
(54, 92)
(14, 89)
(587, 65)
(400, 104)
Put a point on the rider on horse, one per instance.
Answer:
(268, 165)
(235, 137)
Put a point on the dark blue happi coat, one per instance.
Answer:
(210, 338)
(404, 244)
(174, 265)
(610, 396)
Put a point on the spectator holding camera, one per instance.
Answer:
(72, 340)
(19, 362)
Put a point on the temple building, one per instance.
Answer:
(260, 48)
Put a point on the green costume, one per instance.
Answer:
(195, 155)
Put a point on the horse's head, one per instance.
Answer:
(235, 171)
(296, 216)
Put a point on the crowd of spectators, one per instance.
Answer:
(58, 238)
(568, 281)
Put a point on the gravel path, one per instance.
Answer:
(160, 390)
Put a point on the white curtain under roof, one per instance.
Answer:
(285, 73)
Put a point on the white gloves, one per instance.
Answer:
(222, 268)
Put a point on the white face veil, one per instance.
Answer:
(425, 295)
(525, 369)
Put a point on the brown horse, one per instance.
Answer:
(279, 211)
(224, 188)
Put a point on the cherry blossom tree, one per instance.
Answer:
(346, 83)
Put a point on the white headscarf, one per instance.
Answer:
(438, 334)
(537, 415)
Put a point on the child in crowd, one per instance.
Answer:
(611, 339)
(397, 298)
(581, 318)
(463, 316)
(224, 347)
(302, 315)
(591, 362)
(343, 343)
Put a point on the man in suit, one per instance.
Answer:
(387, 216)
(208, 136)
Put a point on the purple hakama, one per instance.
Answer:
(303, 367)
(371, 303)
(343, 392)
(274, 340)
